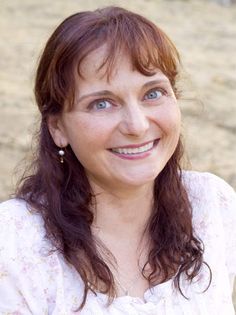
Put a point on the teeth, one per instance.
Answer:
(142, 149)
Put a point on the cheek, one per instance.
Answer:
(86, 134)
(169, 119)
(176, 120)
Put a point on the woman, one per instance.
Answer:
(108, 223)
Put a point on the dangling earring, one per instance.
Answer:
(61, 153)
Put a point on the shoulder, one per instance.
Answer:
(210, 194)
(33, 274)
(14, 209)
(197, 179)
(214, 213)
(213, 201)
(23, 239)
(19, 224)
(208, 187)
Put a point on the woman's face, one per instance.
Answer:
(123, 131)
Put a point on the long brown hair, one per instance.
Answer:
(62, 193)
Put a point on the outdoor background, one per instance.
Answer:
(203, 31)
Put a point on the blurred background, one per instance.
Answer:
(203, 31)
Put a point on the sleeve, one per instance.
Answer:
(227, 203)
(25, 284)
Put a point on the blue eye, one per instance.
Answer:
(102, 104)
(153, 95)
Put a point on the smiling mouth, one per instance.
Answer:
(137, 150)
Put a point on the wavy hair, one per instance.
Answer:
(62, 193)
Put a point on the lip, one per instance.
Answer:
(136, 156)
(134, 146)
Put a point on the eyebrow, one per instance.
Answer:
(109, 93)
(156, 82)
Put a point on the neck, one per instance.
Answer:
(123, 213)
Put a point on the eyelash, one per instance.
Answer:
(162, 91)
(96, 102)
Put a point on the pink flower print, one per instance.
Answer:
(27, 267)
(19, 224)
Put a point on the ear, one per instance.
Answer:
(57, 131)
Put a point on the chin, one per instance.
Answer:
(138, 181)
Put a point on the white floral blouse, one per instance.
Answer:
(32, 281)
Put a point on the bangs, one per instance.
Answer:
(122, 31)
(148, 47)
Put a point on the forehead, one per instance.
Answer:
(93, 70)
(95, 63)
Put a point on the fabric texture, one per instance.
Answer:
(35, 281)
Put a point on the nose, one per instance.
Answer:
(134, 121)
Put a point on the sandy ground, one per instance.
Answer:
(205, 34)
